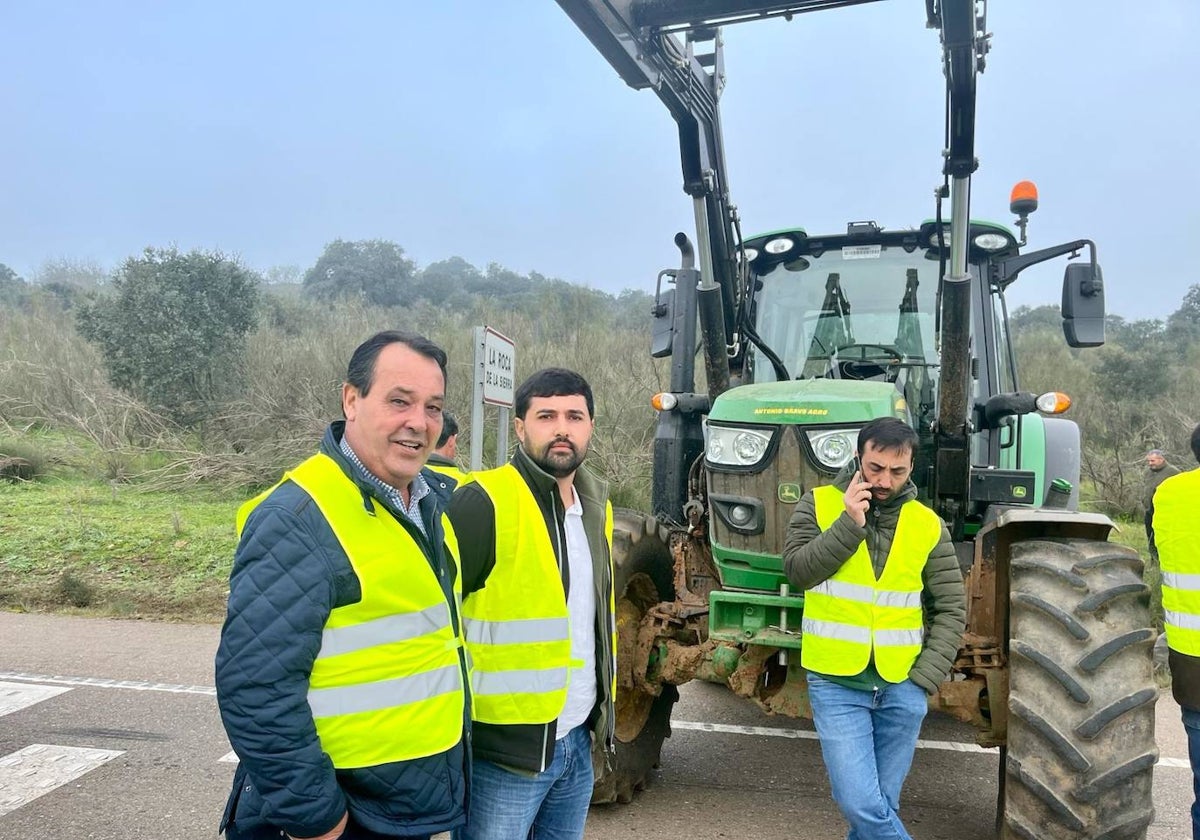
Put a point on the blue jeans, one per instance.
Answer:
(867, 740)
(1191, 725)
(552, 805)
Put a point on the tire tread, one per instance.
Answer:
(1081, 751)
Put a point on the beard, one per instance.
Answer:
(558, 463)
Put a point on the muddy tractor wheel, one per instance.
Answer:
(1081, 701)
(643, 576)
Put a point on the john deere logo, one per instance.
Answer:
(789, 493)
(1019, 491)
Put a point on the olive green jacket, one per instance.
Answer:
(811, 555)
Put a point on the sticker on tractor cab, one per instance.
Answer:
(792, 409)
(862, 252)
(1018, 491)
(789, 493)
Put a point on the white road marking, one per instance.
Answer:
(96, 682)
(772, 732)
(231, 758)
(16, 696)
(40, 768)
(743, 730)
(805, 734)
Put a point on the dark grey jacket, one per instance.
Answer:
(289, 572)
(811, 555)
(473, 517)
(1153, 479)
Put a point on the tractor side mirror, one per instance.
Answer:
(662, 331)
(1083, 305)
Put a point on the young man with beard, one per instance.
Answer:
(535, 537)
(884, 611)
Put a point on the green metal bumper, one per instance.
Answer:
(754, 619)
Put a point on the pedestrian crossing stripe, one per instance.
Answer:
(17, 696)
(98, 682)
(41, 768)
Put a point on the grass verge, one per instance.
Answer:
(83, 545)
(93, 548)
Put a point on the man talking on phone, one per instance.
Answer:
(884, 611)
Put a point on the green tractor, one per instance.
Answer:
(804, 338)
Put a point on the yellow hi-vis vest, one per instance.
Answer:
(387, 683)
(517, 626)
(1177, 536)
(451, 471)
(852, 613)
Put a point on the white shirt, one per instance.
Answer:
(581, 608)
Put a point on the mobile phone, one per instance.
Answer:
(857, 464)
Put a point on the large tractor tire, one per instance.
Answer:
(1081, 748)
(643, 575)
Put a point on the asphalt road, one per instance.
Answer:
(109, 729)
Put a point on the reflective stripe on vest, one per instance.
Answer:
(517, 627)
(387, 683)
(1177, 538)
(516, 632)
(852, 614)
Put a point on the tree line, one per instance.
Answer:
(172, 326)
(1140, 391)
(229, 376)
(236, 372)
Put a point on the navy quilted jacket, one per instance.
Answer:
(289, 572)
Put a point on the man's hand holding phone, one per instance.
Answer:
(858, 496)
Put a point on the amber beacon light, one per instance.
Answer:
(1022, 201)
(1024, 198)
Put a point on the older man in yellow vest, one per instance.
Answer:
(884, 611)
(1177, 532)
(341, 671)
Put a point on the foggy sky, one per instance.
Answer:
(493, 131)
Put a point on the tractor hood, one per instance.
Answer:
(808, 401)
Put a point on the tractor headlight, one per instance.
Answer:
(741, 515)
(991, 241)
(779, 245)
(833, 449)
(736, 447)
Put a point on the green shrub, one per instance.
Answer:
(75, 591)
(172, 328)
(21, 461)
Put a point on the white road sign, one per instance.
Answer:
(499, 356)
